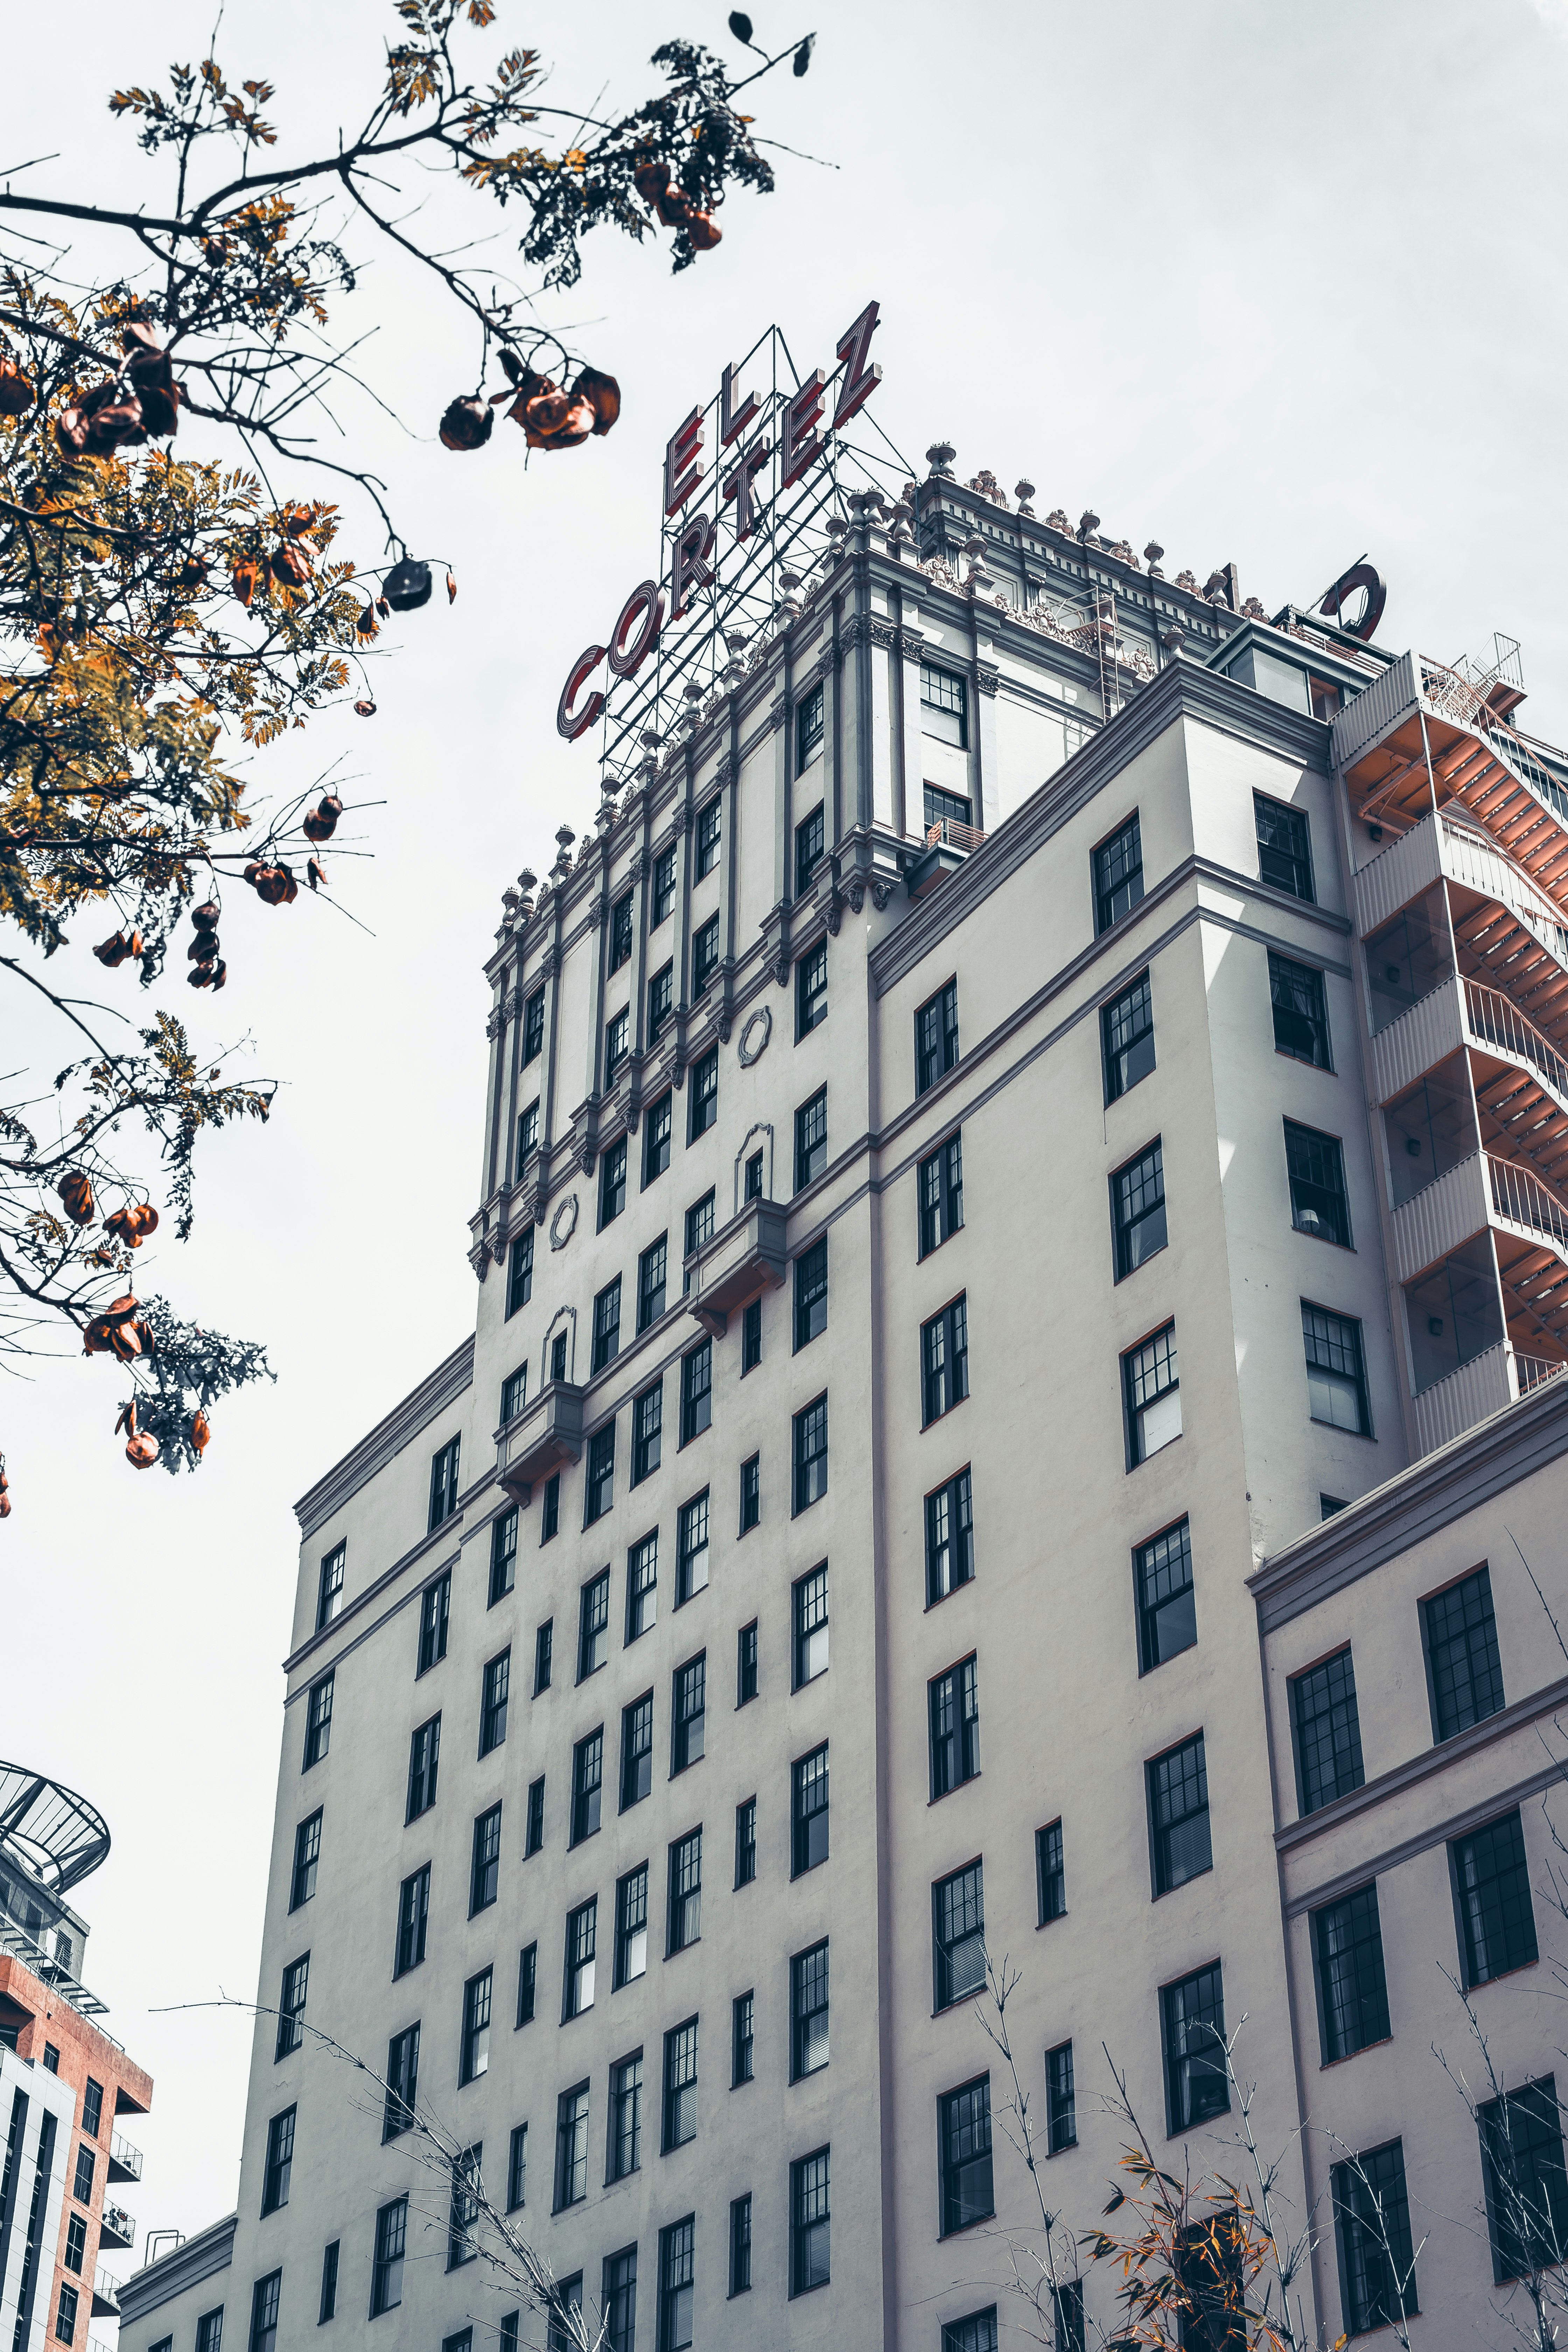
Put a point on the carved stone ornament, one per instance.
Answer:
(563, 1223)
(754, 1036)
(497, 1244)
(680, 817)
(781, 967)
(857, 894)
(496, 1022)
(550, 963)
(985, 678)
(882, 892)
(480, 1259)
(724, 774)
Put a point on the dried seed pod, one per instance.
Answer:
(114, 951)
(76, 1190)
(244, 577)
(203, 947)
(191, 573)
(274, 885)
(315, 874)
(16, 393)
(365, 625)
(383, 608)
(295, 520)
(101, 422)
(292, 568)
(142, 1452)
(149, 1344)
(603, 394)
(407, 585)
(220, 976)
(126, 1419)
(650, 181)
(467, 424)
(201, 1434)
(135, 944)
(125, 1341)
(152, 377)
(365, 709)
(202, 977)
(703, 231)
(204, 917)
(451, 590)
(132, 1226)
(322, 822)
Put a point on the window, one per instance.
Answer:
(612, 1200)
(1527, 2190)
(1336, 1373)
(699, 1226)
(543, 1655)
(92, 2097)
(704, 1094)
(1301, 1011)
(746, 1841)
(444, 1481)
(464, 2211)
(290, 2012)
(810, 1615)
(1050, 1873)
(386, 2270)
(621, 930)
(607, 1325)
(329, 2302)
(434, 1612)
(704, 963)
(265, 2297)
(1167, 1612)
(1179, 1815)
(401, 2081)
(86, 2163)
(660, 1005)
(65, 2315)
(944, 1361)
(811, 1139)
(587, 1785)
(494, 1688)
(809, 719)
(951, 1539)
(808, 2011)
(944, 706)
(565, 2304)
(600, 1483)
(709, 821)
(663, 886)
(572, 2147)
(1327, 1732)
(651, 1275)
(656, 1135)
(691, 1549)
(741, 2040)
(503, 1553)
(1284, 847)
(740, 2245)
(617, 1044)
(1492, 1900)
(954, 1704)
(534, 1837)
(631, 1926)
(1127, 1038)
(1316, 1166)
(978, 2334)
(809, 1435)
(685, 1918)
(964, 2139)
(475, 2056)
(520, 1272)
(696, 1391)
(681, 2084)
(958, 1936)
(936, 1037)
(746, 1664)
(1117, 875)
(751, 1494)
(808, 1812)
(811, 1294)
(754, 1176)
(810, 2225)
(318, 1721)
(811, 991)
(582, 1944)
(594, 1625)
(1138, 1210)
(690, 1683)
(1463, 1672)
(330, 1590)
(1061, 2110)
(209, 2331)
(642, 1588)
(1371, 2221)
(485, 1877)
(625, 2117)
(280, 2162)
(810, 840)
(307, 1855)
(527, 1140)
(533, 1027)
(677, 2262)
(1152, 1396)
(412, 1921)
(527, 1983)
(1192, 2029)
(1352, 1990)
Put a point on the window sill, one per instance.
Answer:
(1163, 1893)
(1369, 1435)
(1067, 2148)
(952, 1791)
(696, 1433)
(946, 1413)
(1286, 1055)
(1327, 1239)
(799, 2293)
(1326, 2065)
(1503, 1974)
(1051, 1922)
(964, 2227)
(951, 1594)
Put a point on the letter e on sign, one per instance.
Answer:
(682, 466)
(573, 723)
(800, 445)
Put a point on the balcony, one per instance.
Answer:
(947, 845)
(1485, 1385)
(118, 2227)
(124, 2161)
(105, 2296)
(546, 1434)
(738, 1265)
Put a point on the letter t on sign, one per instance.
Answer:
(682, 466)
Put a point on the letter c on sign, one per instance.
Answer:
(636, 633)
(573, 723)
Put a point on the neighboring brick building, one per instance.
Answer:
(64, 2082)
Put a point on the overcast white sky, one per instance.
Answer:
(1273, 284)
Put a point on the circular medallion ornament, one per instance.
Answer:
(563, 1223)
(754, 1036)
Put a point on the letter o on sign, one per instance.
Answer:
(573, 723)
(636, 632)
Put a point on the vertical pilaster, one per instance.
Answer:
(912, 642)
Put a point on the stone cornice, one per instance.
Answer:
(197, 2259)
(389, 1436)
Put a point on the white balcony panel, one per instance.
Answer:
(1476, 1390)
(1417, 1041)
(1397, 875)
(1441, 1216)
(1376, 710)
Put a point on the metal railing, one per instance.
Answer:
(106, 2288)
(1498, 1022)
(1454, 698)
(123, 2153)
(122, 2224)
(1531, 1370)
(1524, 1200)
(956, 836)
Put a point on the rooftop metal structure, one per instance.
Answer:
(53, 1835)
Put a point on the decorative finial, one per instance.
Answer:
(1087, 522)
(940, 457)
(1152, 555)
(1024, 492)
